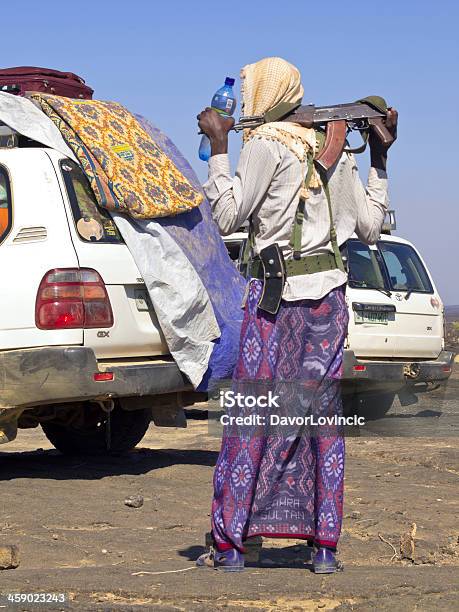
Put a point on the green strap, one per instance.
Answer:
(247, 255)
(279, 111)
(333, 237)
(299, 267)
(295, 238)
(376, 102)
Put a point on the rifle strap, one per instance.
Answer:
(333, 237)
(295, 238)
(249, 245)
(281, 110)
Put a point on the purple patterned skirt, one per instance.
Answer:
(278, 475)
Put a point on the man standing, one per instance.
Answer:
(288, 484)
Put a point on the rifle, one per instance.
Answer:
(363, 115)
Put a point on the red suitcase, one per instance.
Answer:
(31, 78)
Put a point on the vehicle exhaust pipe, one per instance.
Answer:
(412, 370)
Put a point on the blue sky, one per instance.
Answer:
(165, 60)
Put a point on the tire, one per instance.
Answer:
(371, 406)
(89, 437)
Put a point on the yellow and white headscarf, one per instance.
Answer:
(265, 85)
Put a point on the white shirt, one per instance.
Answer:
(267, 184)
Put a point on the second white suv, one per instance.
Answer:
(396, 329)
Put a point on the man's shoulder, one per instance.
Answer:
(263, 146)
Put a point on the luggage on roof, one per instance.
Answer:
(22, 79)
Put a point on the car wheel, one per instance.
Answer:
(371, 406)
(88, 436)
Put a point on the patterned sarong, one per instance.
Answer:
(284, 480)
(127, 170)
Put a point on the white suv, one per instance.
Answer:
(396, 332)
(81, 351)
(396, 321)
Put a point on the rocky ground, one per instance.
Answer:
(452, 327)
(76, 535)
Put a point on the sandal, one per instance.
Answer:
(325, 562)
(226, 560)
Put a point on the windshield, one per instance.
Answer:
(363, 265)
(405, 270)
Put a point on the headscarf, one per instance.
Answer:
(265, 85)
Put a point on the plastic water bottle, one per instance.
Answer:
(224, 103)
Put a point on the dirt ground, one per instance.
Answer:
(76, 536)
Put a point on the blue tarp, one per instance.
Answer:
(197, 235)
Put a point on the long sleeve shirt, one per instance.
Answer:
(266, 187)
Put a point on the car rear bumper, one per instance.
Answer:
(397, 371)
(31, 377)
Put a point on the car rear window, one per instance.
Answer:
(92, 223)
(405, 270)
(364, 266)
(5, 204)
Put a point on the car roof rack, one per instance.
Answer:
(9, 138)
(390, 222)
(12, 139)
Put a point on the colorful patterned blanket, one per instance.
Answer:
(127, 170)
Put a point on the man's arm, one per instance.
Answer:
(378, 150)
(233, 200)
(372, 203)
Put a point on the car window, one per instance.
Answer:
(405, 270)
(363, 266)
(92, 223)
(5, 204)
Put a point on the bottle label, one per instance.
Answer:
(223, 104)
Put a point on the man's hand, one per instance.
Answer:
(378, 150)
(216, 127)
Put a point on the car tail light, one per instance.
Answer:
(445, 329)
(360, 368)
(71, 298)
(103, 376)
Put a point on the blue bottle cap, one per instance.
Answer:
(229, 81)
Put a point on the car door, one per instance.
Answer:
(373, 327)
(34, 238)
(419, 317)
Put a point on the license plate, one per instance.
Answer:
(141, 300)
(378, 318)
